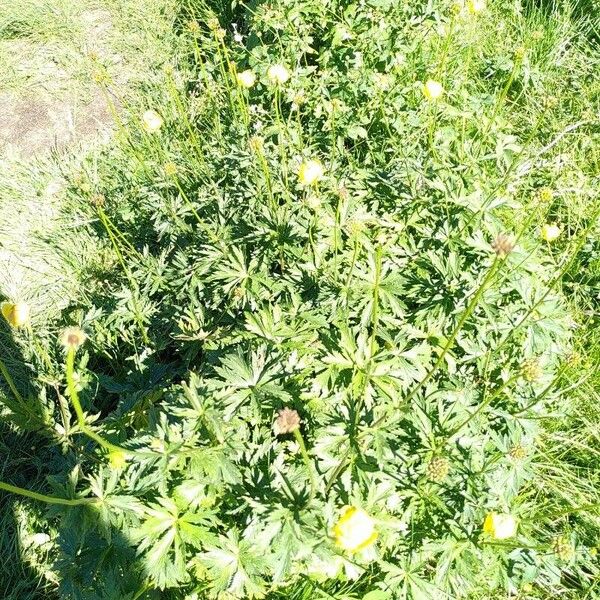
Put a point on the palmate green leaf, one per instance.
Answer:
(234, 566)
(165, 537)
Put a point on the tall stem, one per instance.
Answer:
(13, 489)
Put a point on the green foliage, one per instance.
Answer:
(421, 355)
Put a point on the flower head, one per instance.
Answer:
(531, 370)
(117, 459)
(433, 90)
(152, 121)
(546, 194)
(500, 526)
(550, 231)
(170, 169)
(563, 548)
(438, 468)
(72, 338)
(16, 313)
(354, 530)
(310, 172)
(278, 74)
(246, 78)
(503, 245)
(288, 421)
(475, 6)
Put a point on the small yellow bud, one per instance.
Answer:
(520, 52)
(152, 121)
(546, 194)
(246, 79)
(550, 232)
(310, 172)
(170, 169)
(278, 74)
(17, 313)
(355, 530)
(433, 90)
(117, 459)
(500, 526)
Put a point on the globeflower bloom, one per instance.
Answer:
(550, 231)
(278, 74)
(152, 121)
(310, 172)
(500, 526)
(246, 79)
(475, 6)
(433, 90)
(16, 313)
(354, 530)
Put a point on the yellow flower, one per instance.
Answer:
(500, 526)
(475, 6)
(117, 459)
(72, 337)
(17, 313)
(310, 172)
(246, 79)
(278, 74)
(152, 121)
(355, 530)
(550, 231)
(432, 90)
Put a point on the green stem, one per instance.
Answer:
(309, 464)
(10, 382)
(13, 489)
(485, 403)
(71, 388)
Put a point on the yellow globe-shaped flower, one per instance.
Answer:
(310, 172)
(278, 74)
(355, 530)
(500, 526)
(433, 90)
(246, 79)
(550, 232)
(16, 313)
(475, 6)
(152, 121)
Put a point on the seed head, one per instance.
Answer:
(503, 245)
(288, 421)
(531, 370)
(72, 338)
(563, 548)
(518, 452)
(438, 469)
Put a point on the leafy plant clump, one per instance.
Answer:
(311, 347)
